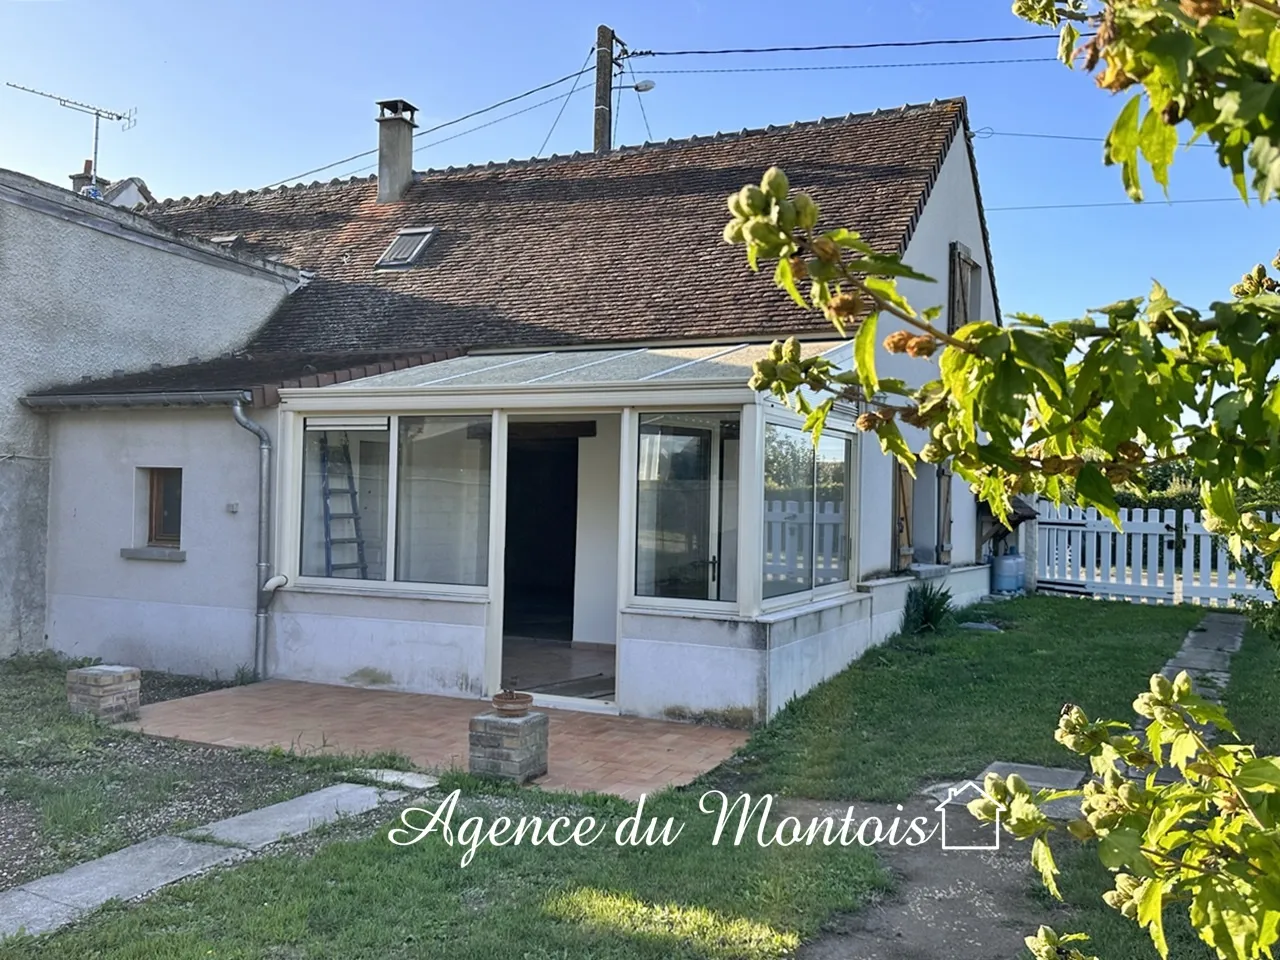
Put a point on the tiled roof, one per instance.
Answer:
(620, 247)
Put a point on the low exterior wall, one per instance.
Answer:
(679, 667)
(968, 585)
(409, 644)
(813, 644)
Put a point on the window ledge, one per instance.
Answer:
(163, 554)
(812, 605)
(367, 588)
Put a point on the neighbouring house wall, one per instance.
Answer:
(814, 644)
(192, 617)
(680, 666)
(595, 581)
(87, 289)
(396, 643)
(951, 214)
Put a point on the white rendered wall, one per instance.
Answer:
(87, 289)
(814, 645)
(193, 617)
(950, 215)
(595, 579)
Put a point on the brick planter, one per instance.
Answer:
(108, 692)
(511, 748)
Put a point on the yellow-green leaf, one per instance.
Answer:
(864, 355)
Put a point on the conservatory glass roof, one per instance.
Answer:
(572, 368)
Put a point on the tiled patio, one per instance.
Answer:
(623, 755)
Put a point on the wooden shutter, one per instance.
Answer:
(944, 514)
(903, 491)
(959, 296)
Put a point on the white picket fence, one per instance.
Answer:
(790, 531)
(1158, 556)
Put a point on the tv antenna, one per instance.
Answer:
(127, 121)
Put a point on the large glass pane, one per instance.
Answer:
(687, 506)
(788, 510)
(344, 503)
(831, 521)
(442, 500)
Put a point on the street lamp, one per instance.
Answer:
(644, 86)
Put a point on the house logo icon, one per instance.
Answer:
(958, 795)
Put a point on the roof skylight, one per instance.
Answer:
(406, 247)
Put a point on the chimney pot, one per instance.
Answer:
(395, 148)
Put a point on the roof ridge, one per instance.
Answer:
(620, 151)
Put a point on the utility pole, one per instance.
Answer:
(603, 140)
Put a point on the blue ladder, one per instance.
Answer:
(340, 456)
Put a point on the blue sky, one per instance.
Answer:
(236, 95)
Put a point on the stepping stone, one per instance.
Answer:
(1066, 808)
(973, 625)
(1213, 641)
(1191, 659)
(50, 902)
(22, 912)
(260, 828)
(1038, 778)
(401, 778)
(940, 791)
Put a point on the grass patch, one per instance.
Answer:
(1111, 936)
(369, 898)
(1253, 696)
(943, 705)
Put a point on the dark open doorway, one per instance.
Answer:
(538, 653)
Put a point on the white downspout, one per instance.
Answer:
(267, 585)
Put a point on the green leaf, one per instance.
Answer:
(1122, 848)
(1151, 913)
(886, 265)
(1273, 54)
(1042, 860)
(1067, 41)
(1122, 145)
(887, 290)
(1093, 489)
(784, 277)
(1262, 775)
(891, 442)
(1158, 142)
(864, 355)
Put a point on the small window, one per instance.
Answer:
(406, 247)
(965, 294)
(164, 528)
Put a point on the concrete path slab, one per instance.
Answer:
(405, 779)
(22, 912)
(1038, 778)
(131, 872)
(259, 828)
(1189, 658)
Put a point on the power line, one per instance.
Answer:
(481, 126)
(440, 126)
(881, 45)
(1116, 203)
(985, 132)
(859, 66)
(560, 113)
(648, 132)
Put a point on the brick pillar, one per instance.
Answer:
(108, 692)
(511, 748)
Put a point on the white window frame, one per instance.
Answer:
(628, 522)
(836, 428)
(294, 427)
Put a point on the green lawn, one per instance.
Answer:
(942, 706)
(915, 710)
(1253, 703)
(368, 898)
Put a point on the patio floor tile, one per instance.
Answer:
(624, 755)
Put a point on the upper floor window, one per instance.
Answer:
(965, 289)
(164, 523)
(406, 247)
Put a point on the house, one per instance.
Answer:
(967, 833)
(130, 193)
(88, 289)
(505, 437)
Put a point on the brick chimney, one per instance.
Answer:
(395, 148)
(81, 180)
